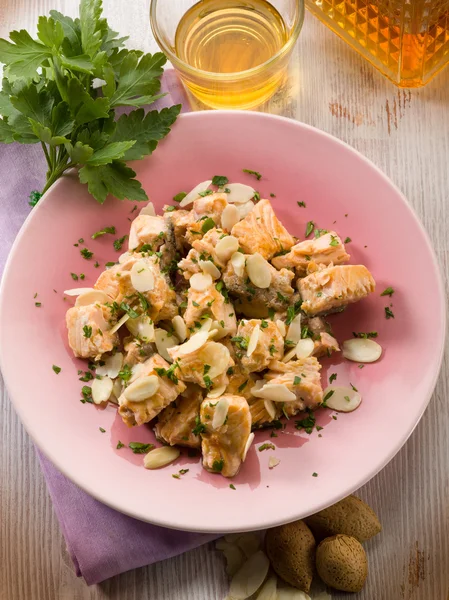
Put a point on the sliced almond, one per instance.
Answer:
(291, 594)
(92, 297)
(290, 354)
(217, 392)
(142, 277)
(216, 355)
(117, 387)
(239, 193)
(304, 348)
(220, 413)
(253, 340)
(193, 344)
(270, 408)
(229, 217)
(195, 193)
(273, 462)
(160, 457)
(180, 327)
(133, 240)
(123, 258)
(200, 282)
(119, 323)
(208, 267)
(78, 291)
(233, 555)
(282, 328)
(249, 542)
(148, 210)
(136, 372)
(268, 590)
(112, 366)
(294, 330)
(142, 389)
(249, 577)
(238, 263)
(245, 209)
(277, 392)
(258, 270)
(206, 325)
(257, 387)
(101, 389)
(226, 247)
(163, 342)
(362, 351)
(342, 399)
(221, 331)
(249, 441)
(142, 328)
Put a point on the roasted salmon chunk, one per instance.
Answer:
(137, 412)
(89, 330)
(147, 230)
(202, 250)
(325, 250)
(334, 287)
(210, 304)
(269, 344)
(205, 366)
(261, 231)
(177, 422)
(223, 448)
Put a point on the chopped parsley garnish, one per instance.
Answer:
(309, 228)
(195, 304)
(297, 380)
(272, 349)
(38, 304)
(199, 427)
(272, 195)
(292, 312)
(218, 465)
(205, 193)
(347, 240)
(333, 377)
(86, 393)
(97, 264)
(56, 369)
(169, 373)
(232, 486)
(170, 208)
(219, 180)
(143, 302)
(306, 332)
(125, 373)
(206, 369)
(241, 342)
(256, 196)
(320, 232)
(120, 445)
(389, 313)
(179, 197)
(207, 381)
(365, 336)
(243, 386)
(119, 243)
(207, 225)
(263, 324)
(87, 254)
(82, 276)
(281, 298)
(87, 329)
(334, 241)
(307, 424)
(347, 398)
(353, 387)
(129, 311)
(74, 276)
(183, 471)
(230, 371)
(361, 366)
(102, 430)
(271, 313)
(327, 396)
(389, 291)
(301, 204)
(103, 232)
(139, 448)
(256, 174)
(176, 476)
(266, 446)
(86, 377)
(314, 474)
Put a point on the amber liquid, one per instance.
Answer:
(407, 41)
(229, 37)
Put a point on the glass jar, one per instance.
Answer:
(407, 40)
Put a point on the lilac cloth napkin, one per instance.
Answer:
(102, 542)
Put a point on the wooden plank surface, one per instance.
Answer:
(406, 134)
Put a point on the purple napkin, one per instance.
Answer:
(102, 542)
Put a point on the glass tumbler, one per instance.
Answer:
(228, 53)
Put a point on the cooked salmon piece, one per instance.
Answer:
(302, 377)
(178, 221)
(147, 230)
(136, 351)
(255, 302)
(223, 448)
(116, 282)
(202, 249)
(210, 304)
(137, 413)
(241, 384)
(270, 344)
(89, 330)
(325, 250)
(325, 344)
(210, 206)
(334, 287)
(261, 231)
(177, 422)
(205, 366)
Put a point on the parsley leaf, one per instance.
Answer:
(103, 232)
(87, 254)
(139, 448)
(220, 180)
(56, 369)
(309, 228)
(256, 174)
(179, 197)
(119, 243)
(389, 291)
(207, 225)
(388, 313)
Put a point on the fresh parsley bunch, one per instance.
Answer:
(62, 90)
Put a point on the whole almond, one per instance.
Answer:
(341, 563)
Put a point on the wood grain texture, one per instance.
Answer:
(406, 134)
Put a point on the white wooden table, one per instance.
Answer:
(406, 134)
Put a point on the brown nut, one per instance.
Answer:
(351, 516)
(291, 550)
(341, 563)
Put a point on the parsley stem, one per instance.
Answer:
(47, 156)
(56, 174)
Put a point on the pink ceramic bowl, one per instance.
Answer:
(341, 190)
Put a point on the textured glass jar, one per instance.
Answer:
(407, 40)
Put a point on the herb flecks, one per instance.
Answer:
(104, 231)
(309, 228)
(389, 291)
(256, 174)
(389, 313)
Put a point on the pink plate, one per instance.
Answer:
(341, 190)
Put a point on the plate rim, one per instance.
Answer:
(172, 523)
